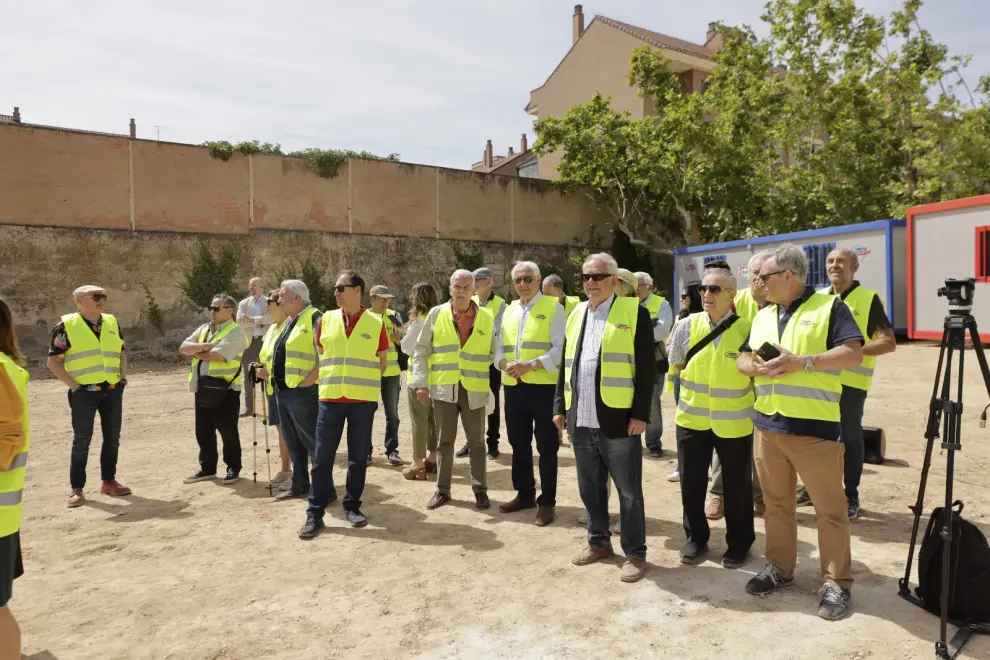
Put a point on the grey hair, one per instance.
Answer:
(643, 275)
(790, 257)
(730, 279)
(227, 300)
(554, 280)
(297, 287)
(610, 263)
(460, 272)
(526, 265)
(852, 255)
(757, 260)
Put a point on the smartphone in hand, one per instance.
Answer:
(767, 352)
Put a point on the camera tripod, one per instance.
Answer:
(953, 341)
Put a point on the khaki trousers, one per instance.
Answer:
(473, 422)
(424, 426)
(779, 459)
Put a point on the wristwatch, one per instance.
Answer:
(809, 364)
(534, 364)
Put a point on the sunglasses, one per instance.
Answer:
(714, 289)
(340, 288)
(271, 301)
(217, 308)
(598, 277)
(766, 276)
(528, 279)
(97, 297)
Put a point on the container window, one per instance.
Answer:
(983, 254)
(817, 253)
(716, 257)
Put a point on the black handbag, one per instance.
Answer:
(211, 392)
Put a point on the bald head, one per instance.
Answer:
(256, 286)
(841, 265)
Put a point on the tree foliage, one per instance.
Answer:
(324, 162)
(205, 275)
(311, 273)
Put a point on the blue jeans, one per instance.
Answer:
(84, 405)
(597, 457)
(654, 430)
(297, 411)
(851, 409)
(390, 402)
(360, 418)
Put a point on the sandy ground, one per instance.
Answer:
(207, 571)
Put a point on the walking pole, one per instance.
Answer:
(268, 450)
(253, 380)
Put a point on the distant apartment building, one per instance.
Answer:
(521, 163)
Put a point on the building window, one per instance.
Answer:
(716, 257)
(982, 273)
(817, 274)
(530, 169)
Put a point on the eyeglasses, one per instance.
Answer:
(528, 279)
(598, 277)
(766, 276)
(217, 308)
(714, 289)
(97, 297)
(271, 301)
(341, 287)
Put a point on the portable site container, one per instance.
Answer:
(880, 245)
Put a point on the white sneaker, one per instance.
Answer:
(285, 485)
(280, 478)
(674, 476)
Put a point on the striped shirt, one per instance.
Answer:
(587, 366)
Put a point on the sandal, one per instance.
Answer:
(431, 466)
(415, 473)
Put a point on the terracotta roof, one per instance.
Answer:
(659, 40)
(500, 161)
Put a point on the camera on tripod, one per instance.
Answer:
(960, 294)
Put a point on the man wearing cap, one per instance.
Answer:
(253, 318)
(87, 355)
(485, 299)
(381, 298)
(553, 286)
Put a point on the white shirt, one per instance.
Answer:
(663, 322)
(587, 366)
(558, 325)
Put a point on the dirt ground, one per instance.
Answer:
(207, 571)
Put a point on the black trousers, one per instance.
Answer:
(494, 423)
(224, 420)
(529, 412)
(694, 449)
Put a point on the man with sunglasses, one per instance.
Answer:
(603, 394)
(797, 349)
(529, 355)
(87, 355)
(663, 319)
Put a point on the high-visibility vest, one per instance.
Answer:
(495, 305)
(450, 362)
(300, 349)
(570, 303)
(653, 304)
(802, 395)
(267, 354)
(618, 355)
(90, 360)
(12, 479)
(714, 394)
(393, 368)
(535, 340)
(746, 305)
(859, 301)
(349, 366)
(229, 370)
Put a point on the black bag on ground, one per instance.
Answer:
(969, 572)
(211, 392)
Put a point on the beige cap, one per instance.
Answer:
(627, 277)
(87, 289)
(380, 291)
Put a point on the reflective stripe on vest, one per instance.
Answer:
(617, 357)
(746, 305)
(800, 395)
(714, 395)
(392, 363)
(229, 370)
(300, 349)
(349, 366)
(12, 478)
(859, 301)
(90, 360)
(451, 363)
(266, 355)
(536, 339)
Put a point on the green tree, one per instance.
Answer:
(320, 295)
(205, 275)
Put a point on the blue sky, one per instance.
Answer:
(429, 79)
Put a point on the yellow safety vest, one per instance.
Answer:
(653, 304)
(450, 362)
(618, 363)
(494, 305)
(714, 395)
(746, 305)
(859, 302)
(349, 366)
(90, 360)
(300, 350)
(267, 354)
(393, 368)
(802, 395)
(535, 340)
(12, 479)
(229, 370)
(570, 302)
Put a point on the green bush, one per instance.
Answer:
(222, 149)
(152, 314)
(205, 275)
(307, 270)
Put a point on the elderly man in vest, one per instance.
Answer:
(495, 304)
(713, 413)
(529, 356)
(381, 298)
(87, 355)
(663, 320)
(215, 379)
(254, 319)
(603, 394)
(353, 346)
(456, 346)
(294, 372)
(867, 308)
(797, 348)
(553, 286)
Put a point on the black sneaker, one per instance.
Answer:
(481, 501)
(356, 518)
(834, 603)
(199, 476)
(232, 477)
(656, 453)
(692, 553)
(463, 451)
(852, 507)
(312, 527)
(733, 561)
(395, 459)
(803, 498)
(493, 452)
(766, 581)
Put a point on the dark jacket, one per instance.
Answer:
(614, 422)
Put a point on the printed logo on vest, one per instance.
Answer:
(365, 335)
(622, 326)
(808, 323)
(542, 317)
(732, 354)
(481, 332)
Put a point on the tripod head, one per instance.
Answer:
(960, 294)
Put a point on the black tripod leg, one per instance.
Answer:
(981, 357)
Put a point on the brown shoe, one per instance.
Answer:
(714, 509)
(438, 500)
(633, 569)
(590, 555)
(415, 473)
(760, 509)
(517, 504)
(76, 498)
(545, 515)
(114, 489)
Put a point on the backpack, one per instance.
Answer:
(969, 573)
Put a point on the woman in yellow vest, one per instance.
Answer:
(14, 431)
(713, 413)
(282, 480)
